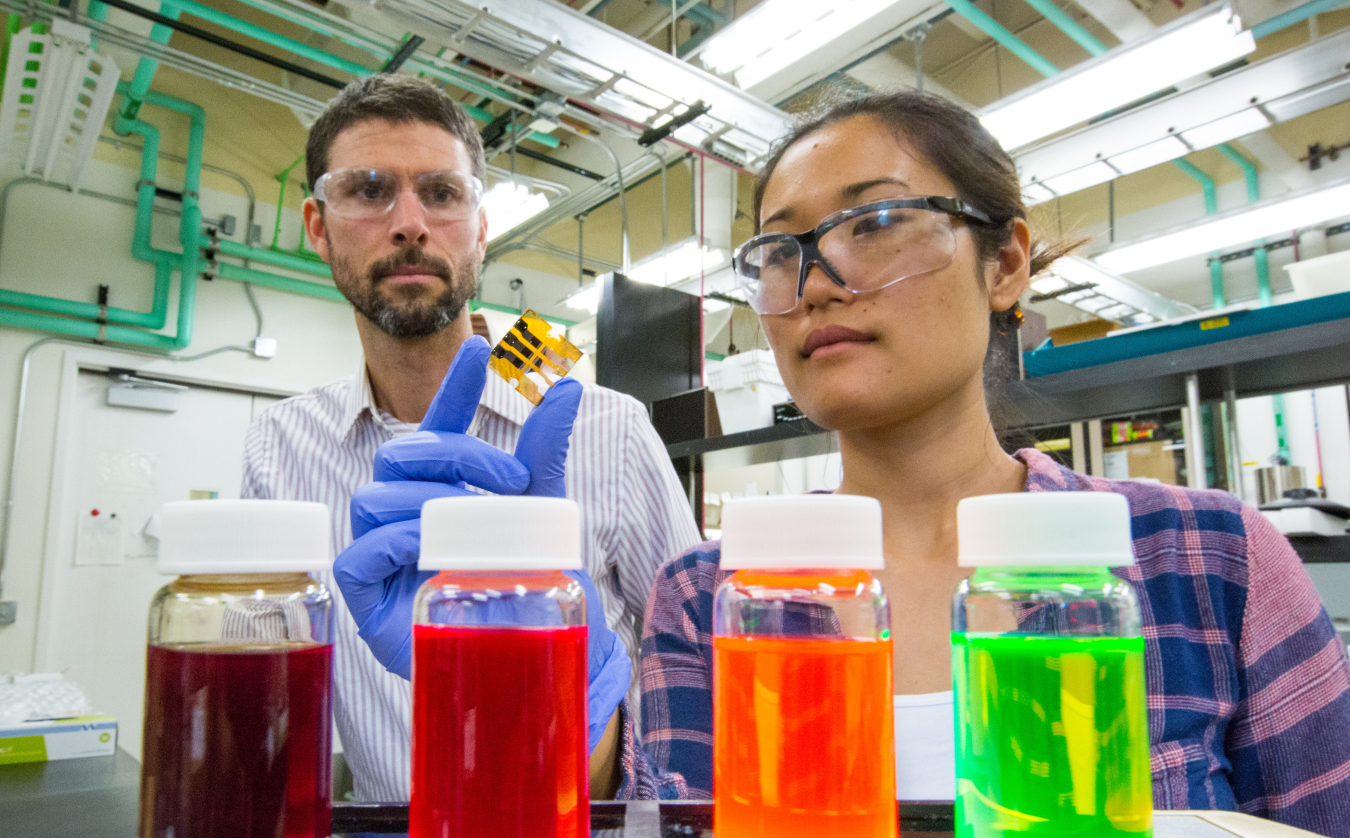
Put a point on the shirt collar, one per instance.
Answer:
(499, 397)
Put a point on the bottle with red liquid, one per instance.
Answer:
(238, 683)
(499, 672)
(803, 715)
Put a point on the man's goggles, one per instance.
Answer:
(370, 193)
(861, 249)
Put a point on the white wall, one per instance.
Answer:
(1256, 434)
(67, 245)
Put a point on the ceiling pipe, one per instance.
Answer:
(1294, 15)
(1001, 35)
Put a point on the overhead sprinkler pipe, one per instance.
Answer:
(1253, 195)
(1206, 182)
(1297, 14)
(1068, 26)
(259, 33)
(996, 30)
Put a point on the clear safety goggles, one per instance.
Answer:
(865, 248)
(364, 194)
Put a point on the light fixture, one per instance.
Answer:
(585, 298)
(1084, 285)
(1089, 175)
(1228, 128)
(1203, 40)
(1136, 160)
(1253, 221)
(509, 204)
(1283, 86)
(677, 262)
(779, 33)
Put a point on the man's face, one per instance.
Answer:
(408, 273)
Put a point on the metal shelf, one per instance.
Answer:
(785, 441)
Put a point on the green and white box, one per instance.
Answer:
(82, 736)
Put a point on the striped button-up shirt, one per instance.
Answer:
(1248, 684)
(320, 446)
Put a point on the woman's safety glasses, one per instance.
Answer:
(364, 194)
(861, 249)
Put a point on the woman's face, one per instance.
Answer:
(859, 361)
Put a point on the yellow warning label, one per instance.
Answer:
(1216, 323)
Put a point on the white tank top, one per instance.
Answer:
(925, 750)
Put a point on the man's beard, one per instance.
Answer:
(406, 318)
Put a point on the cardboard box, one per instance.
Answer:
(1150, 460)
(82, 736)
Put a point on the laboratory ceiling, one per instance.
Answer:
(256, 137)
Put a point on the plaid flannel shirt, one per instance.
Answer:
(1248, 684)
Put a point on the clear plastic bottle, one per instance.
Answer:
(238, 685)
(1048, 671)
(803, 740)
(499, 672)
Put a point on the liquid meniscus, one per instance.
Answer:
(1051, 737)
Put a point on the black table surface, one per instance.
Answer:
(96, 797)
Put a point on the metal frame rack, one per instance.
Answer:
(1222, 371)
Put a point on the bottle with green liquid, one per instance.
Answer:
(1048, 671)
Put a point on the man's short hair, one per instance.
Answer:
(399, 99)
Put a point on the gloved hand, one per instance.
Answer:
(378, 572)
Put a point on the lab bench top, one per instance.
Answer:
(96, 797)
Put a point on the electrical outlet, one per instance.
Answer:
(264, 347)
(9, 612)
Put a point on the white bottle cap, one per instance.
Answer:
(802, 531)
(1045, 529)
(500, 532)
(244, 536)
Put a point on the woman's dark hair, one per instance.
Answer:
(956, 144)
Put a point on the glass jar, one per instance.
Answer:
(238, 684)
(803, 723)
(499, 673)
(1048, 670)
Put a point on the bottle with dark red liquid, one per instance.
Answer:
(238, 683)
(499, 672)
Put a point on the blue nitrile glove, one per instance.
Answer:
(378, 573)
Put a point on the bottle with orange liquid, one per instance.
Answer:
(803, 741)
(238, 681)
(499, 672)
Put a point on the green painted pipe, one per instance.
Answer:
(1068, 26)
(271, 257)
(1295, 15)
(1206, 182)
(153, 319)
(995, 30)
(87, 330)
(1253, 195)
(253, 30)
(280, 283)
(145, 68)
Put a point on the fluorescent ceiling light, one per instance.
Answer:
(778, 33)
(1286, 85)
(1089, 175)
(1147, 156)
(585, 298)
(1277, 215)
(1034, 193)
(509, 204)
(1105, 293)
(1208, 38)
(676, 263)
(1239, 124)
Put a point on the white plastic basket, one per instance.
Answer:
(746, 387)
(57, 93)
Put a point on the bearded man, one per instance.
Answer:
(396, 170)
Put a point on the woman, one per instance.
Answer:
(1249, 688)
